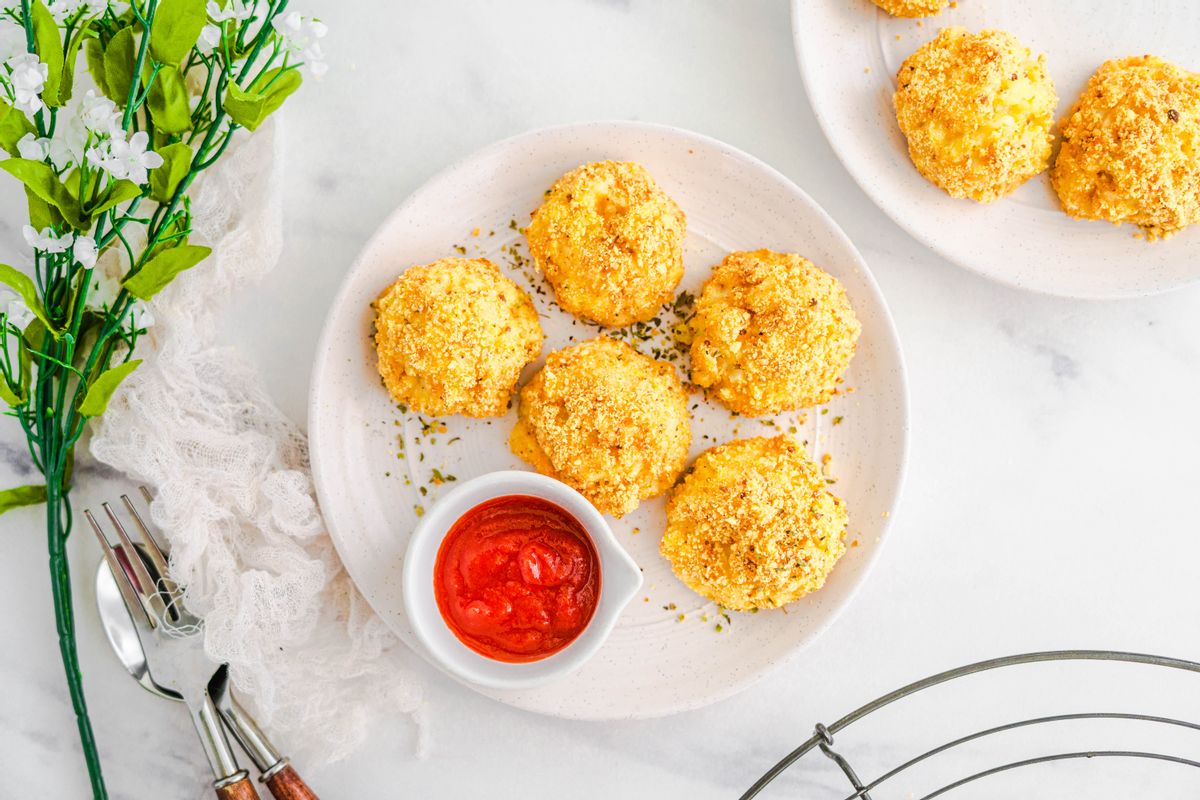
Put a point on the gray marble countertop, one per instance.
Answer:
(1051, 497)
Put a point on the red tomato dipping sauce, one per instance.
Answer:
(517, 578)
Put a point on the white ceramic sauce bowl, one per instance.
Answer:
(620, 580)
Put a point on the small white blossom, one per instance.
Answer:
(210, 37)
(17, 310)
(234, 9)
(85, 251)
(140, 316)
(100, 115)
(45, 240)
(12, 39)
(106, 284)
(301, 37)
(27, 79)
(123, 159)
(33, 148)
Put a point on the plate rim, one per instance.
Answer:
(840, 149)
(891, 340)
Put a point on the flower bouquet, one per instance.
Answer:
(106, 155)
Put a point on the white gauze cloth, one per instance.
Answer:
(234, 495)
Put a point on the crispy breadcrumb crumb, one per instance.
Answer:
(754, 525)
(452, 337)
(607, 421)
(1131, 147)
(610, 242)
(977, 110)
(911, 8)
(772, 332)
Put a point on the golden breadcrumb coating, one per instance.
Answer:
(1131, 147)
(754, 525)
(607, 421)
(453, 336)
(977, 109)
(610, 242)
(772, 332)
(912, 8)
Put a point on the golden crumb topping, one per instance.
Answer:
(610, 242)
(607, 421)
(453, 336)
(754, 525)
(912, 8)
(977, 110)
(772, 332)
(1131, 147)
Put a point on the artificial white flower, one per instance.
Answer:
(125, 159)
(12, 39)
(210, 37)
(140, 315)
(45, 240)
(27, 79)
(99, 115)
(106, 282)
(301, 37)
(33, 148)
(234, 9)
(85, 251)
(15, 307)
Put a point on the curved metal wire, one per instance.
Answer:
(823, 738)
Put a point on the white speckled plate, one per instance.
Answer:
(849, 54)
(370, 460)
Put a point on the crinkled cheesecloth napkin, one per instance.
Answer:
(234, 494)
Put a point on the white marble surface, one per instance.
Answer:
(1051, 499)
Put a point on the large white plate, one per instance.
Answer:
(849, 54)
(653, 663)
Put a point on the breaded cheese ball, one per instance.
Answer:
(912, 8)
(453, 336)
(607, 421)
(610, 242)
(1131, 147)
(754, 525)
(977, 110)
(772, 332)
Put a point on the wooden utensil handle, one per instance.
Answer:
(285, 784)
(240, 789)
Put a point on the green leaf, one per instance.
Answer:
(93, 50)
(13, 127)
(165, 179)
(8, 395)
(119, 192)
(168, 102)
(21, 496)
(23, 285)
(42, 215)
(162, 269)
(49, 50)
(101, 390)
(266, 94)
(67, 86)
(176, 27)
(120, 57)
(40, 178)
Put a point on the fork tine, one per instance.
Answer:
(149, 587)
(128, 592)
(153, 549)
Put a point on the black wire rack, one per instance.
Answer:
(822, 739)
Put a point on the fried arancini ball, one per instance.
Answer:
(912, 8)
(453, 336)
(607, 421)
(772, 332)
(754, 525)
(610, 242)
(1131, 147)
(977, 110)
